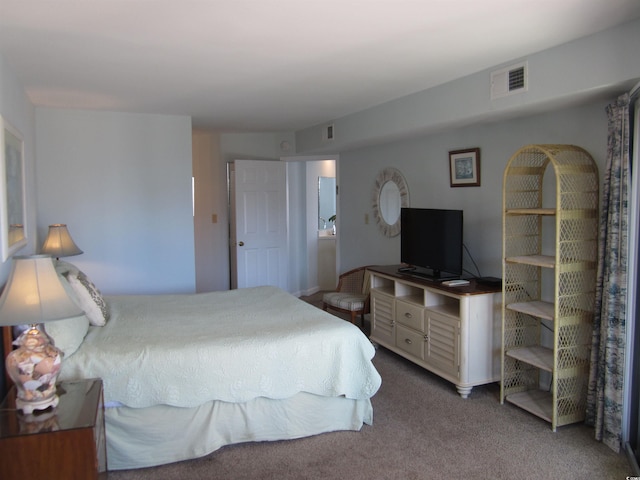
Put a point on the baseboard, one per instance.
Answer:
(311, 291)
(306, 293)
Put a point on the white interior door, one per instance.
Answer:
(259, 247)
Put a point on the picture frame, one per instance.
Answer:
(464, 167)
(13, 211)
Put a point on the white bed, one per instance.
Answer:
(187, 374)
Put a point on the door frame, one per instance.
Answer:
(258, 239)
(314, 158)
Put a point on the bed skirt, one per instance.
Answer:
(145, 437)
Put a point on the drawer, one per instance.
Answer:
(410, 341)
(410, 315)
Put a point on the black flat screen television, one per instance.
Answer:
(431, 242)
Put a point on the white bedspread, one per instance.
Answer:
(234, 346)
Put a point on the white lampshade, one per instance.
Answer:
(16, 233)
(34, 293)
(59, 242)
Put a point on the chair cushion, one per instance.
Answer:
(346, 301)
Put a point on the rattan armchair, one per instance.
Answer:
(351, 295)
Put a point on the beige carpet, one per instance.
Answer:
(422, 430)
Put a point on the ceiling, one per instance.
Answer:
(274, 65)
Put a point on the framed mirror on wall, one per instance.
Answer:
(326, 202)
(390, 194)
(13, 234)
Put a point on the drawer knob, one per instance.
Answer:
(408, 315)
(408, 341)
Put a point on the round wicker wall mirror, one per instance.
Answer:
(390, 194)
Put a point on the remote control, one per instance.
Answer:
(455, 283)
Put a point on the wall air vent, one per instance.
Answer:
(509, 80)
(328, 133)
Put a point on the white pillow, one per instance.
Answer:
(89, 298)
(63, 268)
(69, 333)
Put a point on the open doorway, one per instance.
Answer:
(324, 173)
(306, 225)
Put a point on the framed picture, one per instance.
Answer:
(13, 234)
(464, 167)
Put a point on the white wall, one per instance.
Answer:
(424, 164)
(590, 68)
(415, 133)
(122, 184)
(211, 238)
(297, 224)
(255, 146)
(16, 109)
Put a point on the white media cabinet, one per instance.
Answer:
(454, 332)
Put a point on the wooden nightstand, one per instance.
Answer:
(66, 443)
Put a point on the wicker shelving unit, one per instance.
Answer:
(548, 286)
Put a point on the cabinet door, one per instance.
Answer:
(382, 317)
(442, 349)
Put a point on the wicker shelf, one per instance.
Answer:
(540, 357)
(531, 211)
(571, 229)
(546, 261)
(538, 402)
(537, 308)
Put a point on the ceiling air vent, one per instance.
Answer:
(509, 80)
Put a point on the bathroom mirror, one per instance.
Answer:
(390, 194)
(326, 201)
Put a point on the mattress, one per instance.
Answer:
(253, 364)
(233, 346)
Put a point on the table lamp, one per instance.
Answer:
(34, 295)
(16, 233)
(59, 242)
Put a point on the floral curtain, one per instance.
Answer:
(606, 379)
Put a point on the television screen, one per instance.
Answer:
(431, 240)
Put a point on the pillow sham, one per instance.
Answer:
(69, 333)
(64, 268)
(89, 298)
